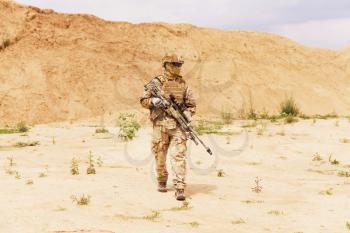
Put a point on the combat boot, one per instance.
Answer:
(180, 194)
(162, 187)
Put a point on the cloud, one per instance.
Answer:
(332, 33)
(288, 17)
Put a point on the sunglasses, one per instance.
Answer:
(176, 64)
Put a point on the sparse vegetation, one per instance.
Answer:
(99, 161)
(226, 116)
(17, 175)
(344, 140)
(25, 144)
(185, 206)
(281, 133)
(20, 128)
(194, 224)
(252, 124)
(257, 188)
(29, 182)
(348, 225)
(101, 130)
(221, 173)
(316, 157)
(343, 174)
(82, 200)
(212, 127)
(91, 168)
(11, 161)
(153, 216)
(128, 126)
(288, 107)
(327, 192)
(333, 161)
(238, 221)
(290, 119)
(276, 212)
(252, 201)
(74, 167)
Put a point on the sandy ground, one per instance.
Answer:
(298, 194)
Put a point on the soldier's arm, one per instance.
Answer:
(145, 99)
(190, 101)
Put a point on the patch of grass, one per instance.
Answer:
(290, 119)
(91, 169)
(11, 161)
(29, 182)
(8, 131)
(17, 175)
(74, 167)
(344, 140)
(128, 126)
(328, 192)
(185, 206)
(22, 127)
(82, 200)
(153, 216)
(288, 107)
(316, 157)
(101, 130)
(333, 161)
(226, 116)
(348, 225)
(343, 174)
(60, 208)
(25, 144)
(276, 212)
(250, 125)
(194, 224)
(221, 173)
(238, 221)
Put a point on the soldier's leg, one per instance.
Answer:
(178, 158)
(160, 145)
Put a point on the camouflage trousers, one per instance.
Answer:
(175, 139)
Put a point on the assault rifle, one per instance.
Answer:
(172, 108)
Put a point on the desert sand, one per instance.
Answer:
(299, 193)
(61, 67)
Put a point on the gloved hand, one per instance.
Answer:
(156, 101)
(188, 116)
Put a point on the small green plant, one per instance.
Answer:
(288, 107)
(91, 168)
(11, 162)
(290, 119)
(238, 221)
(17, 175)
(99, 161)
(316, 157)
(348, 225)
(22, 127)
(53, 141)
(328, 192)
(276, 212)
(332, 161)
(221, 173)
(344, 140)
(153, 216)
(101, 130)
(74, 167)
(128, 126)
(29, 182)
(257, 188)
(82, 200)
(25, 144)
(343, 174)
(185, 206)
(226, 116)
(194, 224)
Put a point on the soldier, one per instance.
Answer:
(166, 130)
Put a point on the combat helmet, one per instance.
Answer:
(173, 58)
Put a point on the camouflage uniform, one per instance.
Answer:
(166, 130)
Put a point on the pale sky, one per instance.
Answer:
(316, 23)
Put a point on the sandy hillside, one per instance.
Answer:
(66, 67)
(301, 190)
